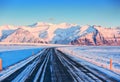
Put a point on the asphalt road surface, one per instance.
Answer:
(55, 66)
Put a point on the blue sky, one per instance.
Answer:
(93, 12)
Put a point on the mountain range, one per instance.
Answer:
(63, 33)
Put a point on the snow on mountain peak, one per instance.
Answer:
(66, 25)
(87, 29)
(63, 33)
(22, 35)
(83, 28)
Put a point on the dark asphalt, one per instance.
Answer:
(55, 66)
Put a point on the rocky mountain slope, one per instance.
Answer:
(96, 35)
(64, 33)
(21, 35)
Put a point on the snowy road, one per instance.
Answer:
(54, 66)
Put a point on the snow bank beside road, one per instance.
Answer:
(99, 55)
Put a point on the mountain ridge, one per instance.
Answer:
(63, 33)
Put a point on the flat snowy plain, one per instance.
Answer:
(97, 55)
(12, 54)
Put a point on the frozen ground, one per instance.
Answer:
(51, 65)
(17, 52)
(12, 54)
(99, 55)
(13, 47)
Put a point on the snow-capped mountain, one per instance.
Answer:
(97, 35)
(63, 33)
(6, 31)
(21, 35)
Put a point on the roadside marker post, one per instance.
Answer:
(110, 64)
(0, 64)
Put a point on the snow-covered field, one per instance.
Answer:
(12, 54)
(98, 55)
(13, 47)
(15, 52)
(90, 57)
